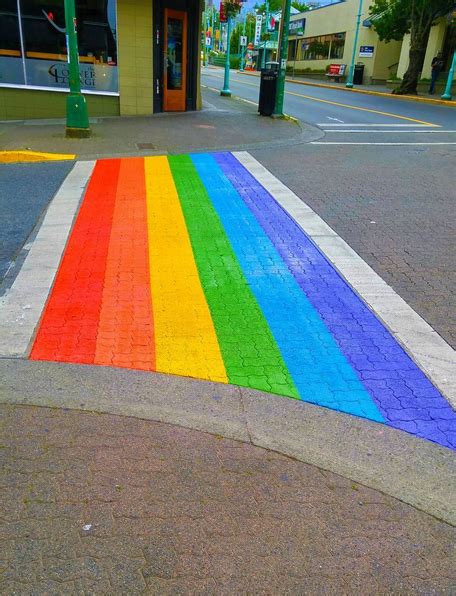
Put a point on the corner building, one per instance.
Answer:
(136, 57)
(328, 35)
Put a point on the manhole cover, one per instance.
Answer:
(145, 146)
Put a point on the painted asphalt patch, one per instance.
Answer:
(189, 265)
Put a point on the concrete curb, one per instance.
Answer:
(415, 471)
(442, 102)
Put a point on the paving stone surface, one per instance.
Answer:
(186, 265)
(101, 504)
(395, 208)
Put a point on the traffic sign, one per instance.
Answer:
(243, 40)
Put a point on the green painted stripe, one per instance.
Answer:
(249, 351)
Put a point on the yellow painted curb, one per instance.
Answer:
(442, 102)
(16, 156)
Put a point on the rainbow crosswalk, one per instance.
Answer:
(186, 265)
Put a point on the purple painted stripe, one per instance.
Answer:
(403, 393)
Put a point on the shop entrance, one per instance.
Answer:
(175, 56)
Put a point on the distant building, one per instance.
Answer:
(328, 37)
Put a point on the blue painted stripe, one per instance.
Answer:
(404, 395)
(319, 370)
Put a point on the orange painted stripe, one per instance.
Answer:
(68, 329)
(126, 332)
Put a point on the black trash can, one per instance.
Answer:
(358, 74)
(268, 90)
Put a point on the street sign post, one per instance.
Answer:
(284, 25)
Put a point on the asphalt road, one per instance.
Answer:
(25, 192)
(351, 117)
(386, 186)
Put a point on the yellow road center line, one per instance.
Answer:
(345, 105)
(185, 338)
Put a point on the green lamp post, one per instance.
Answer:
(77, 118)
(349, 83)
(447, 94)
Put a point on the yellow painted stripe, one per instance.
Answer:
(29, 156)
(346, 105)
(185, 338)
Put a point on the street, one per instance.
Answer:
(387, 186)
(350, 115)
(227, 350)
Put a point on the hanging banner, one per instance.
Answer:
(258, 24)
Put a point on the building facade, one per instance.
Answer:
(137, 57)
(327, 37)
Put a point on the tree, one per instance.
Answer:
(392, 19)
(301, 6)
(274, 6)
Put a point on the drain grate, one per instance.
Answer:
(146, 146)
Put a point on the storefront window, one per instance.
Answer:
(44, 44)
(323, 47)
(11, 66)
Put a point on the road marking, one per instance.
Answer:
(345, 105)
(23, 304)
(388, 125)
(336, 119)
(355, 143)
(407, 132)
(430, 351)
(16, 156)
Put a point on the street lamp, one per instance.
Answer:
(77, 118)
(349, 83)
(447, 94)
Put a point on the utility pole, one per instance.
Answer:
(226, 81)
(283, 55)
(349, 83)
(77, 118)
(447, 94)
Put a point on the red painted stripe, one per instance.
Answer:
(68, 329)
(126, 332)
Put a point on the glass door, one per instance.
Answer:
(175, 58)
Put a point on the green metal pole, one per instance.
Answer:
(77, 118)
(206, 27)
(447, 94)
(283, 55)
(243, 48)
(263, 61)
(226, 82)
(349, 83)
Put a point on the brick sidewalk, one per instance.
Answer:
(114, 505)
